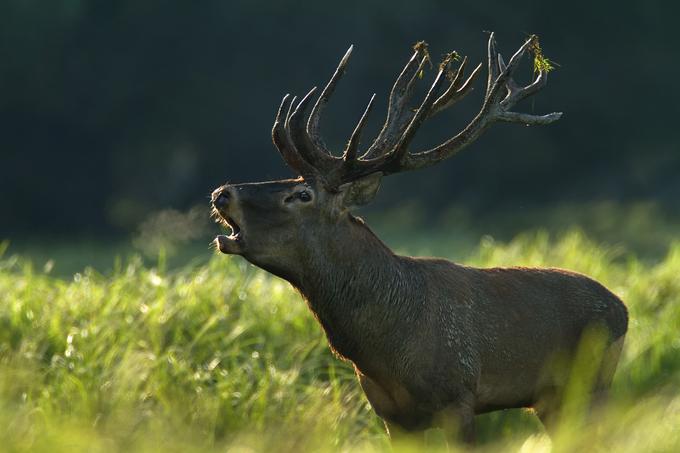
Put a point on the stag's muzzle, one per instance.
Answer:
(226, 212)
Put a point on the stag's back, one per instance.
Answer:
(499, 329)
(552, 302)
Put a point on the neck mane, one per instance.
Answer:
(357, 288)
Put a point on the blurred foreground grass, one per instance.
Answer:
(223, 357)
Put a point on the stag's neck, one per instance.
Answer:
(358, 289)
(350, 266)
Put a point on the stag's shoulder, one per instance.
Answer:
(442, 276)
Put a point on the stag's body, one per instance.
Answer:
(427, 336)
(431, 341)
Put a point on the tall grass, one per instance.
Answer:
(224, 357)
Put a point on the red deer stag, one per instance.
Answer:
(431, 341)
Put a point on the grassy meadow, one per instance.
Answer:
(220, 356)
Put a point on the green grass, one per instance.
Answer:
(223, 357)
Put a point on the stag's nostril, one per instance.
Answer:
(222, 200)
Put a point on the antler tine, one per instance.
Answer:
(458, 78)
(456, 92)
(421, 114)
(279, 135)
(529, 120)
(492, 62)
(510, 83)
(504, 79)
(315, 116)
(295, 125)
(281, 109)
(302, 141)
(291, 108)
(350, 154)
(283, 142)
(501, 63)
(398, 115)
(517, 93)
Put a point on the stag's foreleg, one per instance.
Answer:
(406, 418)
(458, 421)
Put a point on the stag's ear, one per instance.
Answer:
(361, 191)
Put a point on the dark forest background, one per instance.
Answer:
(113, 110)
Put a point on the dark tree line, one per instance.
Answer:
(112, 110)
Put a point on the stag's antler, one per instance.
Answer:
(303, 149)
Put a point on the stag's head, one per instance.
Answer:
(273, 222)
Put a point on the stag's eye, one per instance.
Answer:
(304, 196)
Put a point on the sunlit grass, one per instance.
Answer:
(224, 356)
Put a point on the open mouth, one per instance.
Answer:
(235, 229)
(233, 242)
